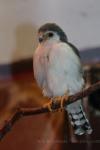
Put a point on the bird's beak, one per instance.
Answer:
(40, 35)
(43, 37)
(40, 39)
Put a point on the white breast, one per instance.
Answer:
(57, 69)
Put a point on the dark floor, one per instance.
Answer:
(34, 132)
(41, 132)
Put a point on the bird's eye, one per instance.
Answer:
(50, 34)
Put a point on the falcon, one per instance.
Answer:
(58, 72)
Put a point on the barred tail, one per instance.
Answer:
(78, 118)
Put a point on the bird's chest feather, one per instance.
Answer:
(43, 55)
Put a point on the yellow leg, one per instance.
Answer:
(52, 103)
(61, 99)
(56, 99)
(49, 105)
(64, 97)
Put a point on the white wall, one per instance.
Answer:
(19, 20)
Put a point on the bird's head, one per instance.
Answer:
(51, 32)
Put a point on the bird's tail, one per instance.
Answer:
(78, 118)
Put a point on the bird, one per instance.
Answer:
(59, 73)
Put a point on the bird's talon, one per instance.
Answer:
(50, 106)
(62, 104)
(65, 97)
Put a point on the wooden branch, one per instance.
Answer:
(21, 112)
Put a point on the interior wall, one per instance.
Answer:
(19, 20)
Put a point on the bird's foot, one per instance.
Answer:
(64, 97)
(60, 99)
(52, 105)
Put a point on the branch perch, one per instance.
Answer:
(21, 112)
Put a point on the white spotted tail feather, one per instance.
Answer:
(78, 118)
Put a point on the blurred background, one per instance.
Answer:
(19, 21)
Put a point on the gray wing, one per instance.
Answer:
(64, 69)
(76, 51)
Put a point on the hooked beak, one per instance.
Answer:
(43, 37)
(40, 39)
